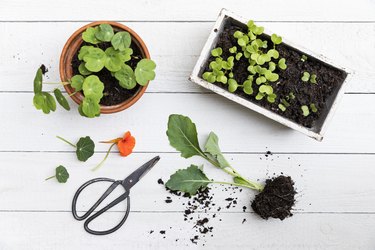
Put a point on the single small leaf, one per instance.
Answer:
(39, 101)
(305, 77)
(182, 135)
(85, 148)
(313, 78)
(83, 70)
(126, 77)
(95, 59)
(93, 88)
(113, 60)
(62, 174)
(121, 40)
(212, 147)
(90, 108)
(76, 82)
(188, 180)
(83, 51)
(313, 108)
(61, 99)
(50, 101)
(282, 107)
(89, 35)
(125, 55)
(276, 39)
(104, 32)
(38, 81)
(282, 64)
(232, 85)
(266, 89)
(217, 52)
(144, 71)
(305, 110)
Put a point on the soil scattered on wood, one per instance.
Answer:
(276, 200)
(113, 93)
(329, 79)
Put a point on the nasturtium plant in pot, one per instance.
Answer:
(105, 67)
(260, 70)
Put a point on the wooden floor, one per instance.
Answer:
(335, 178)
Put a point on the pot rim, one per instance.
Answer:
(74, 43)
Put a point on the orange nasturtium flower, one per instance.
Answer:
(124, 144)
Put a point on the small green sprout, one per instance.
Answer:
(306, 76)
(304, 58)
(217, 52)
(276, 39)
(247, 86)
(291, 96)
(313, 108)
(313, 78)
(266, 90)
(233, 50)
(305, 110)
(232, 85)
(282, 64)
(282, 107)
(285, 102)
(238, 56)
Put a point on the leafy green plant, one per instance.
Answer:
(84, 147)
(303, 58)
(182, 135)
(93, 59)
(305, 110)
(313, 108)
(61, 174)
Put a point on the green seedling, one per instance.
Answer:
(93, 60)
(61, 174)
(313, 78)
(304, 58)
(266, 90)
(282, 107)
(182, 135)
(305, 110)
(84, 147)
(313, 108)
(306, 76)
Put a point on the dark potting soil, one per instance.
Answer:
(329, 79)
(113, 93)
(276, 200)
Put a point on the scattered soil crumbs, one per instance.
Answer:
(44, 69)
(276, 200)
(113, 93)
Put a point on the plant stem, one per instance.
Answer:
(50, 177)
(62, 83)
(105, 158)
(75, 92)
(71, 144)
(227, 183)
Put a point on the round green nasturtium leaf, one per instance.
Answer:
(144, 71)
(76, 82)
(90, 107)
(305, 110)
(113, 60)
(270, 76)
(93, 88)
(89, 35)
(104, 32)
(305, 76)
(85, 148)
(273, 53)
(61, 99)
(38, 81)
(125, 55)
(80, 110)
(83, 51)
(50, 101)
(232, 85)
(39, 101)
(266, 89)
(121, 40)
(217, 52)
(126, 77)
(276, 39)
(95, 59)
(61, 174)
(83, 70)
(282, 64)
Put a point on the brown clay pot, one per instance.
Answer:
(74, 44)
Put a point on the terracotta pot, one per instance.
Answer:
(74, 44)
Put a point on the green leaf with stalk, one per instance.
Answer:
(276, 39)
(113, 60)
(38, 81)
(61, 99)
(270, 76)
(126, 77)
(104, 32)
(95, 59)
(93, 88)
(282, 107)
(83, 70)
(247, 86)
(76, 82)
(125, 55)
(90, 107)
(84, 147)
(121, 40)
(83, 51)
(61, 174)
(303, 58)
(144, 71)
(233, 49)
(89, 35)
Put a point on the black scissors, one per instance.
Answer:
(127, 184)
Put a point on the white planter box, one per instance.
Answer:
(315, 132)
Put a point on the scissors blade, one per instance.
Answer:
(134, 177)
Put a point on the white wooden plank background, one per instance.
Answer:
(336, 196)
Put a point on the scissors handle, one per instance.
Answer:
(101, 211)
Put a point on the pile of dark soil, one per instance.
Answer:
(276, 200)
(113, 92)
(329, 79)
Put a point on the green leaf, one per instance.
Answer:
(125, 55)
(305, 76)
(238, 34)
(304, 58)
(61, 99)
(282, 64)
(83, 70)
(144, 71)
(313, 78)
(50, 101)
(40, 102)
(273, 53)
(126, 77)
(93, 88)
(113, 60)
(85, 148)
(272, 77)
(313, 108)
(266, 89)
(238, 56)
(240, 181)
(95, 59)
(121, 40)
(182, 135)
(259, 96)
(76, 82)
(247, 86)
(305, 110)
(38, 81)
(62, 174)
(217, 52)
(260, 80)
(104, 32)
(276, 39)
(232, 85)
(89, 36)
(212, 147)
(233, 49)
(83, 51)
(282, 107)
(188, 180)
(209, 77)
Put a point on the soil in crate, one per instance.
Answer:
(329, 79)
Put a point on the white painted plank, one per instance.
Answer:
(239, 129)
(176, 55)
(308, 231)
(325, 183)
(169, 10)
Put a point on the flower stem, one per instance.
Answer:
(105, 158)
(66, 141)
(50, 177)
(62, 83)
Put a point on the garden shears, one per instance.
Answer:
(127, 184)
